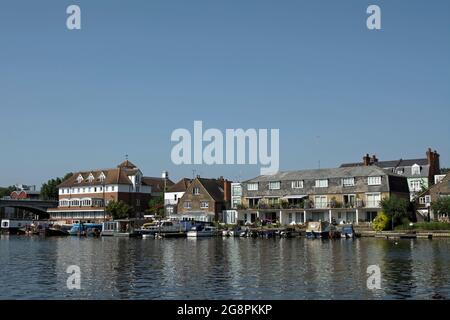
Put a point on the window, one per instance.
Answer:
(274, 185)
(297, 184)
(415, 169)
(422, 200)
(91, 177)
(138, 202)
(187, 205)
(196, 191)
(252, 186)
(204, 204)
(373, 200)
(102, 177)
(80, 178)
(236, 202)
(348, 182)
(415, 185)
(236, 191)
(323, 183)
(427, 199)
(320, 202)
(374, 181)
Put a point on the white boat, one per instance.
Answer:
(225, 233)
(199, 231)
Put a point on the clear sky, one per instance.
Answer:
(75, 100)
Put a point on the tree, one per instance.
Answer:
(119, 209)
(441, 206)
(6, 192)
(395, 208)
(156, 206)
(49, 190)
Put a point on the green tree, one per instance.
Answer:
(119, 209)
(6, 192)
(49, 189)
(396, 209)
(441, 206)
(156, 206)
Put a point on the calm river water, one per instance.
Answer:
(216, 268)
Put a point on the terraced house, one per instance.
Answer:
(349, 195)
(85, 195)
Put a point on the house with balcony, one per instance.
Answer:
(350, 194)
(173, 195)
(85, 195)
(204, 200)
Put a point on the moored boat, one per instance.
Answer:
(318, 230)
(202, 231)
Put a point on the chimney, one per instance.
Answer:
(374, 159)
(226, 190)
(434, 163)
(198, 176)
(366, 160)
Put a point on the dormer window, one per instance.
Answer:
(196, 191)
(91, 177)
(415, 170)
(80, 178)
(102, 177)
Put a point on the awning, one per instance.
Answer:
(295, 197)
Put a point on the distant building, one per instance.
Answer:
(85, 195)
(204, 200)
(25, 192)
(419, 172)
(348, 194)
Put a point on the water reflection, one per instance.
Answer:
(229, 268)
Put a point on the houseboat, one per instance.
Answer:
(119, 228)
(12, 226)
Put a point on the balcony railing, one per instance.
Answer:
(357, 204)
(170, 202)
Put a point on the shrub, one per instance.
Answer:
(381, 222)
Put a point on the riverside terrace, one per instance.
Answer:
(350, 195)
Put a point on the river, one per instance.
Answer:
(228, 268)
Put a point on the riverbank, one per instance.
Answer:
(422, 234)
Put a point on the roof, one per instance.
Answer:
(180, 186)
(343, 172)
(391, 163)
(112, 176)
(214, 187)
(156, 183)
(127, 164)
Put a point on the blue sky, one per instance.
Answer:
(73, 100)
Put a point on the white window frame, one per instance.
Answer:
(374, 181)
(415, 170)
(298, 184)
(320, 200)
(348, 182)
(321, 183)
(372, 203)
(274, 185)
(254, 186)
(204, 204)
(195, 191)
(187, 205)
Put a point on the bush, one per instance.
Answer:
(381, 222)
(395, 208)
